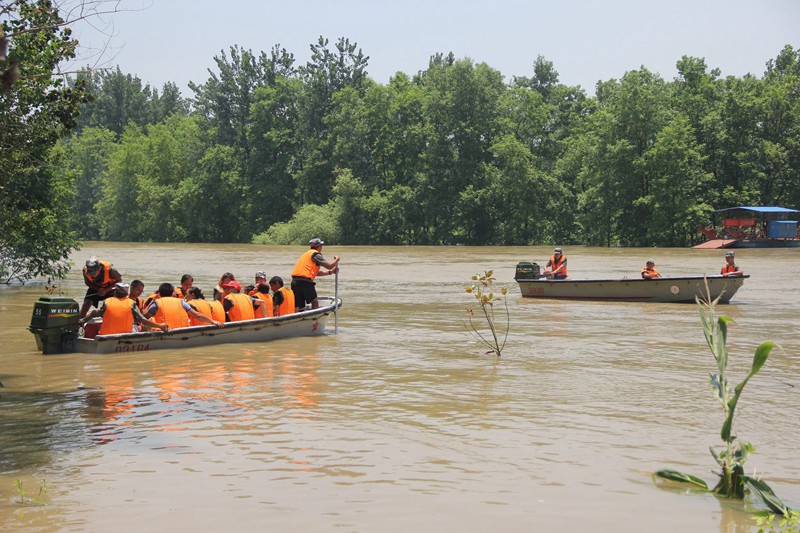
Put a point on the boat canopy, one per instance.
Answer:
(760, 209)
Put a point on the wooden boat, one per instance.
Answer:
(752, 227)
(677, 289)
(55, 325)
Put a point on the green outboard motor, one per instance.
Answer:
(527, 270)
(55, 324)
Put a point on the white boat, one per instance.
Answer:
(54, 324)
(678, 289)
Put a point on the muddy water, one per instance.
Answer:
(400, 422)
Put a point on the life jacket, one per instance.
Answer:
(102, 278)
(651, 272)
(217, 311)
(118, 316)
(171, 311)
(139, 303)
(152, 297)
(305, 267)
(267, 299)
(727, 269)
(287, 307)
(555, 264)
(242, 307)
(178, 293)
(201, 306)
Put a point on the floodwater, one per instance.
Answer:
(401, 422)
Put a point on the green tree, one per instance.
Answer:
(36, 109)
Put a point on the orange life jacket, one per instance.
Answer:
(203, 307)
(171, 311)
(651, 272)
(118, 316)
(217, 311)
(178, 293)
(152, 297)
(305, 267)
(242, 307)
(555, 264)
(727, 269)
(102, 278)
(267, 299)
(287, 307)
(139, 303)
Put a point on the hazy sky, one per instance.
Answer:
(176, 40)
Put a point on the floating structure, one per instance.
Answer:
(752, 227)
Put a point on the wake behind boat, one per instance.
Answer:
(682, 289)
(55, 325)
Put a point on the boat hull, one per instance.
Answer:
(671, 290)
(302, 324)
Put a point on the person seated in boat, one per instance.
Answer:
(262, 293)
(174, 311)
(137, 288)
(556, 267)
(649, 271)
(120, 313)
(252, 290)
(240, 306)
(186, 281)
(100, 277)
(731, 268)
(219, 290)
(194, 297)
(282, 298)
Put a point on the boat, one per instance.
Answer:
(752, 227)
(684, 289)
(56, 327)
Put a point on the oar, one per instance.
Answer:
(336, 303)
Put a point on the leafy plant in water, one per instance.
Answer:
(482, 291)
(35, 500)
(789, 523)
(733, 482)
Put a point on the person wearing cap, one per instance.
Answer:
(557, 265)
(261, 278)
(120, 313)
(240, 306)
(174, 311)
(731, 268)
(305, 272)
(282, 298)
(100, 277)
(649, 271)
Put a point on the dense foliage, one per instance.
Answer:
(453, 154)
(36, 110)
(269, 150)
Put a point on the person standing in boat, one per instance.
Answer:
(305, 272)
(557, 265)
(731, 268)
(174, 311)
(120, 313)
(100, 277)
(649, 271)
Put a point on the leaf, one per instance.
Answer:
(760, 357)
(765, 493)
(680, 477)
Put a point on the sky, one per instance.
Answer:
(587, 41)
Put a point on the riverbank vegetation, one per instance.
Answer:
(459, 153)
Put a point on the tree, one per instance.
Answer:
(36, 109)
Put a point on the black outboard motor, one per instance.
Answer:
(527, 270)
(55, 324)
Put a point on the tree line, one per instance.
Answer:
(271, 151)
(268, 150)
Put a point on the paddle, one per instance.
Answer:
(336, 303)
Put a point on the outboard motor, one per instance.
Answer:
(55, 324)
(527, 270)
